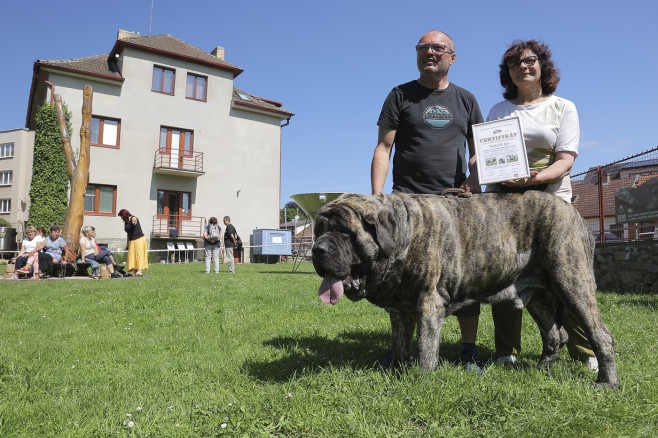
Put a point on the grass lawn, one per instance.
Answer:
(182, 353)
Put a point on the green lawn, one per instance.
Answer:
(182, 353)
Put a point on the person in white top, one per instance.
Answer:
(551, 132)
(29, 253)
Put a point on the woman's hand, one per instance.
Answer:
(525, 182)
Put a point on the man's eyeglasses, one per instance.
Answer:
(528, 62)
(439, 49)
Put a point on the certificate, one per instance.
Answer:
(500, 151)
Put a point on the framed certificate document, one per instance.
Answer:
(500, 151)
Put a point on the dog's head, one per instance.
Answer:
(355, 238)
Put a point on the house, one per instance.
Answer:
(173, 140)
(16, 151)
(616, 178)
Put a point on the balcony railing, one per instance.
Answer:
(178, 226)
(178, 164)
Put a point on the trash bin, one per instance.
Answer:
(7, 241)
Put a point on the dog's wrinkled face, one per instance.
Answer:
(349, 242)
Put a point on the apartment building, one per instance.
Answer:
(16, 151)
(173, 140)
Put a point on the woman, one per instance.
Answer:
(212, 238)
(137, 248)
(28, 256)
(89, 250)
(52, 252)
(551, 132)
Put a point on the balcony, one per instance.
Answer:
(172, 226)
(176, 164)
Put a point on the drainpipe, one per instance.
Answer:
(278, 217)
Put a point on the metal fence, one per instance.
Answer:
(619, 201)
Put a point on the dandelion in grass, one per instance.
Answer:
(131, 424)
(223, 425)
(289, 395)
(138, 409)
(177, 424)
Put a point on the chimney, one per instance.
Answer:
(123, 34)
(218, 52)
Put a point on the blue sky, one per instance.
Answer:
(332, 63)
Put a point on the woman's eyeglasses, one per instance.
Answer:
(528, 62)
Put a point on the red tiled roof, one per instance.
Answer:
(97, 65)
(257, 102)
(172, 46)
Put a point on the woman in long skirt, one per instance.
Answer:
(137, 248)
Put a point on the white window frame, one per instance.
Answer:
(6, 177)
(5, 206)
(6, 150)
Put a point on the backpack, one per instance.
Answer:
(69, 255)
(213, 233)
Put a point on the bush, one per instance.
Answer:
(50, 180)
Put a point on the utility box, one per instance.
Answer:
(272, 242)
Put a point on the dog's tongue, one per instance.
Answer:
(331, 289)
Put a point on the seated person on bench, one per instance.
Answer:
(28, 256)
(53, 250)
(89, 250)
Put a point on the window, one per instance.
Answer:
(6, 177)
(5, 206)
(105, 132)
(6, 150)
(100, 200)
(163, 80)
(177, 143)
(196, 87)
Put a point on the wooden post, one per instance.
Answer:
(78, 173)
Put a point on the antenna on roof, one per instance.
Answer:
(151, 18)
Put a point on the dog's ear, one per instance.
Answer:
(384, 224)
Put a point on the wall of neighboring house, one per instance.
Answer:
(19, 164)
(241, 147)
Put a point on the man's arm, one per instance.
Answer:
(381, 159)
(472, 183)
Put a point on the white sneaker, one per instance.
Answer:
(509, 359)
(593, 364)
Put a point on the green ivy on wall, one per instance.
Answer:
(49, 191)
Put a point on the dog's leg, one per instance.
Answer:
(430, 319)
(543, 310)
(403, 325)
(586, 312)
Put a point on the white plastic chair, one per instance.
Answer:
(191, 249)
(171, 249)
(182, 249)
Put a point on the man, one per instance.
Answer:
(429, 121)
(230, 242)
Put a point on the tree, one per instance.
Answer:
(78, 172)
(49, 187)
(290, 210)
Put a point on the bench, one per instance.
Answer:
(76, 268)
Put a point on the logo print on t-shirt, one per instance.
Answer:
(437, 116)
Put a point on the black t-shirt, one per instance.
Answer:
(230, 230)
(431, 131)
(134, 231)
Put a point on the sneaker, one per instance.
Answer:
(593, 364)
(115, 275)
(24, 270)
(509, 359)
(36, 277)
(469, 361)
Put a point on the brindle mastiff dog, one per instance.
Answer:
(424, 256)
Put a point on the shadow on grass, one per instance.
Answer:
(312, 354)
(288, 272)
